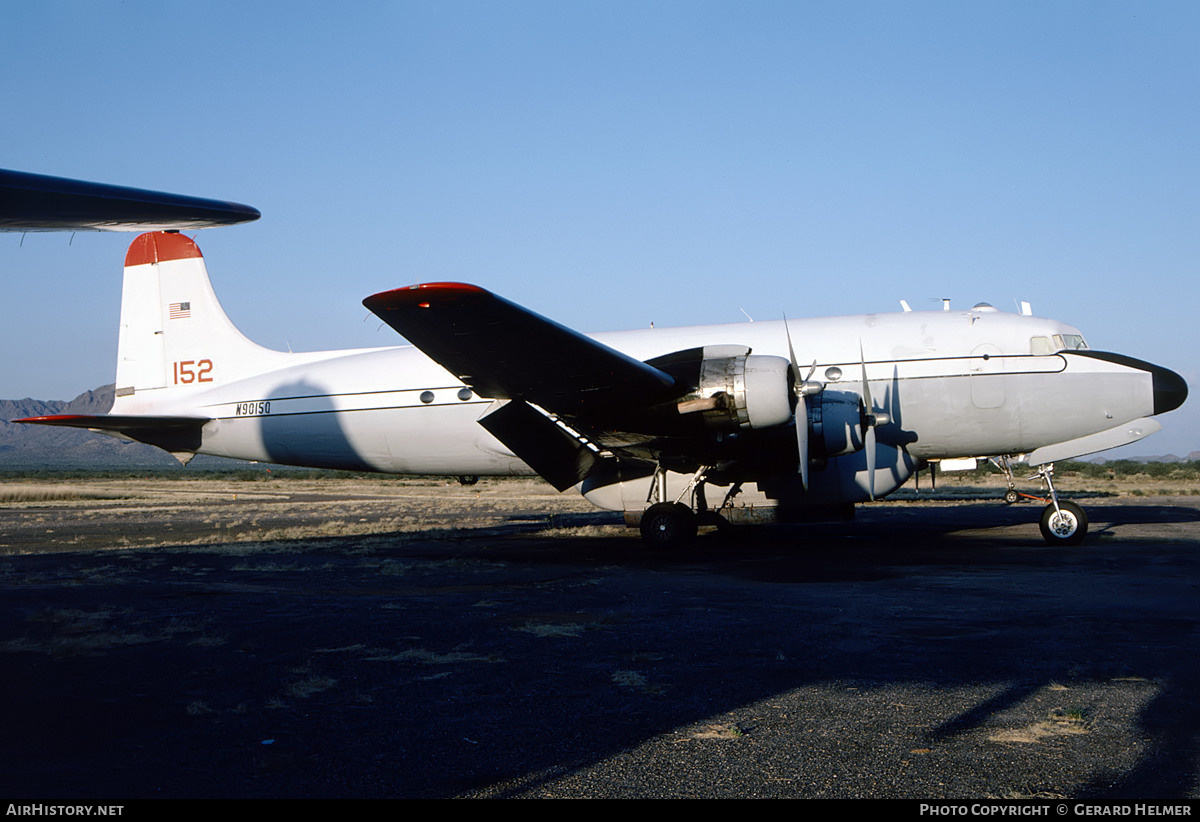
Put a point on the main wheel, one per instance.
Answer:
(668, 525)
(1065, 526)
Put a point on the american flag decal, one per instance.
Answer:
(180, 311)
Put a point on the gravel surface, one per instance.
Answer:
(501, 641)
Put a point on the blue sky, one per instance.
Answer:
(612, 164)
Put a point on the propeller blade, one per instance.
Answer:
(802, 438)
(870, 448)
(787, 332)
(801, 412)
(868, 424)
(866, 388)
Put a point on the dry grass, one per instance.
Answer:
(252, 518)
(55, 491)
(236, 517)
(1059, 722)
(67, 632)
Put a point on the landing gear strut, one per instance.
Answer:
(1063, 522)
(667, 524)
(1012, 496)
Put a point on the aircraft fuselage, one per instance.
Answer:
(955, 383)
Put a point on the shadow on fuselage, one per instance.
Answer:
(307, 430)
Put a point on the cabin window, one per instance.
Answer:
(1040, 346)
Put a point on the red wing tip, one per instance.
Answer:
(51, 419)
(159, 247)
(421, 294)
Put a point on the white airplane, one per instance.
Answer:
(674, 427)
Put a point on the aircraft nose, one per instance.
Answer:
(1169, 389)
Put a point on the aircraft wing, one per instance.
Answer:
(35, 202)
(504, 351)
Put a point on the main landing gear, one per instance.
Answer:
(1063, 522)
(667, 524)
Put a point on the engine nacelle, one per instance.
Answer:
(753, 391)
(836, 420)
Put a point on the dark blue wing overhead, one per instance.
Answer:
(35, 202)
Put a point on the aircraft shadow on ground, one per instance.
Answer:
(503, 665)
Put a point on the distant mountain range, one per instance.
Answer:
(26, 447)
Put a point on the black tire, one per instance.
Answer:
(1066, 526)
(1011, 496)
(668, 525)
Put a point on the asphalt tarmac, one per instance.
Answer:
(932, 650)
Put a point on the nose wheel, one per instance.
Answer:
(1065, 524)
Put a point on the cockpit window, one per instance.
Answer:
(1069, 342)
(1041, 346)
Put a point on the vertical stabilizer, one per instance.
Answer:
(175, 338)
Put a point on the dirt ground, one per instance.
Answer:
(410, 639)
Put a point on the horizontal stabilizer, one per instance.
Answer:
(504, 351)
(1094, 443)
(174, 434)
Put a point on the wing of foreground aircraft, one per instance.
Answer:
(36, 202)
(505, 351)
(568, 396)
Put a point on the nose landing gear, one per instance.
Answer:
(1063, 522)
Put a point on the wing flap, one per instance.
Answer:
(505, 351)
(557, 456)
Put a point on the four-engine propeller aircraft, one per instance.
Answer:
(673, 427)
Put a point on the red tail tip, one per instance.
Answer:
(159, 247)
